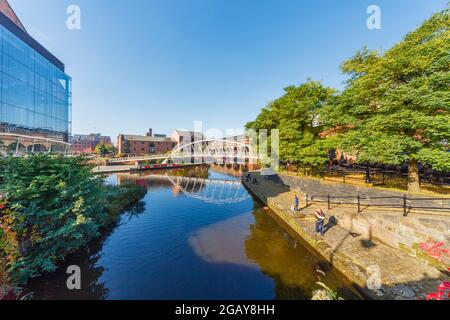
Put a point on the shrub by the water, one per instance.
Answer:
(50, 207)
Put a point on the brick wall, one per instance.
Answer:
(6, 9)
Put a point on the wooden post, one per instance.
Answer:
(329, 203)
(359, 203)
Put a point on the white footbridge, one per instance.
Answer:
(219, 151)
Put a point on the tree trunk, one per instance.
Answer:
(413, 176)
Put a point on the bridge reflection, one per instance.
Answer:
(193, 183)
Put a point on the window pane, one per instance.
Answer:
(17, 93)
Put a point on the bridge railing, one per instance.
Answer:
(183, 155)
(132, 158)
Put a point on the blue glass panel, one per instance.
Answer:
(18, 93)
(17, 49)
(17, 116)
(39, 121)
(17, 70)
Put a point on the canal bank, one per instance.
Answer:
(381, 272)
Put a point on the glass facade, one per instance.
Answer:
(34, 93)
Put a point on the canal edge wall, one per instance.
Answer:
(343, 264)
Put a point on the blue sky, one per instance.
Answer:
(164, 64)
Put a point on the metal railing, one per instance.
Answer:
(382, 176)
(404, 202)
(375, 175)
(180, 155)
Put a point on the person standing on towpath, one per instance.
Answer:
(320, 222)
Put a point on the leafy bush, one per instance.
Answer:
(54, 206)
(51, 207)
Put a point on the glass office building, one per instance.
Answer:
(35, 92)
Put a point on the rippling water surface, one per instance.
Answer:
(197, 234)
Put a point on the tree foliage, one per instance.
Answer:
(51, 206)
(394, 109)
(396, 106)
(55, 206)
(103, 149)
(296, 116)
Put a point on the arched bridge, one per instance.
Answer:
(19, 145)
(204, 151)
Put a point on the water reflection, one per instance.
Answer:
(223, 242)
(194, 182)
(175, 243)
(294, 269)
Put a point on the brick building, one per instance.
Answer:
(87, 143)
(137, 145)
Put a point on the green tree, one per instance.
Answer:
(103, 149)
(297, 116)
(395, 107)
(50, 206)
(54, 206)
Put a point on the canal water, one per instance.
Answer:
(197, 234)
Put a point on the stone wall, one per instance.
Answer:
(404, 233)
